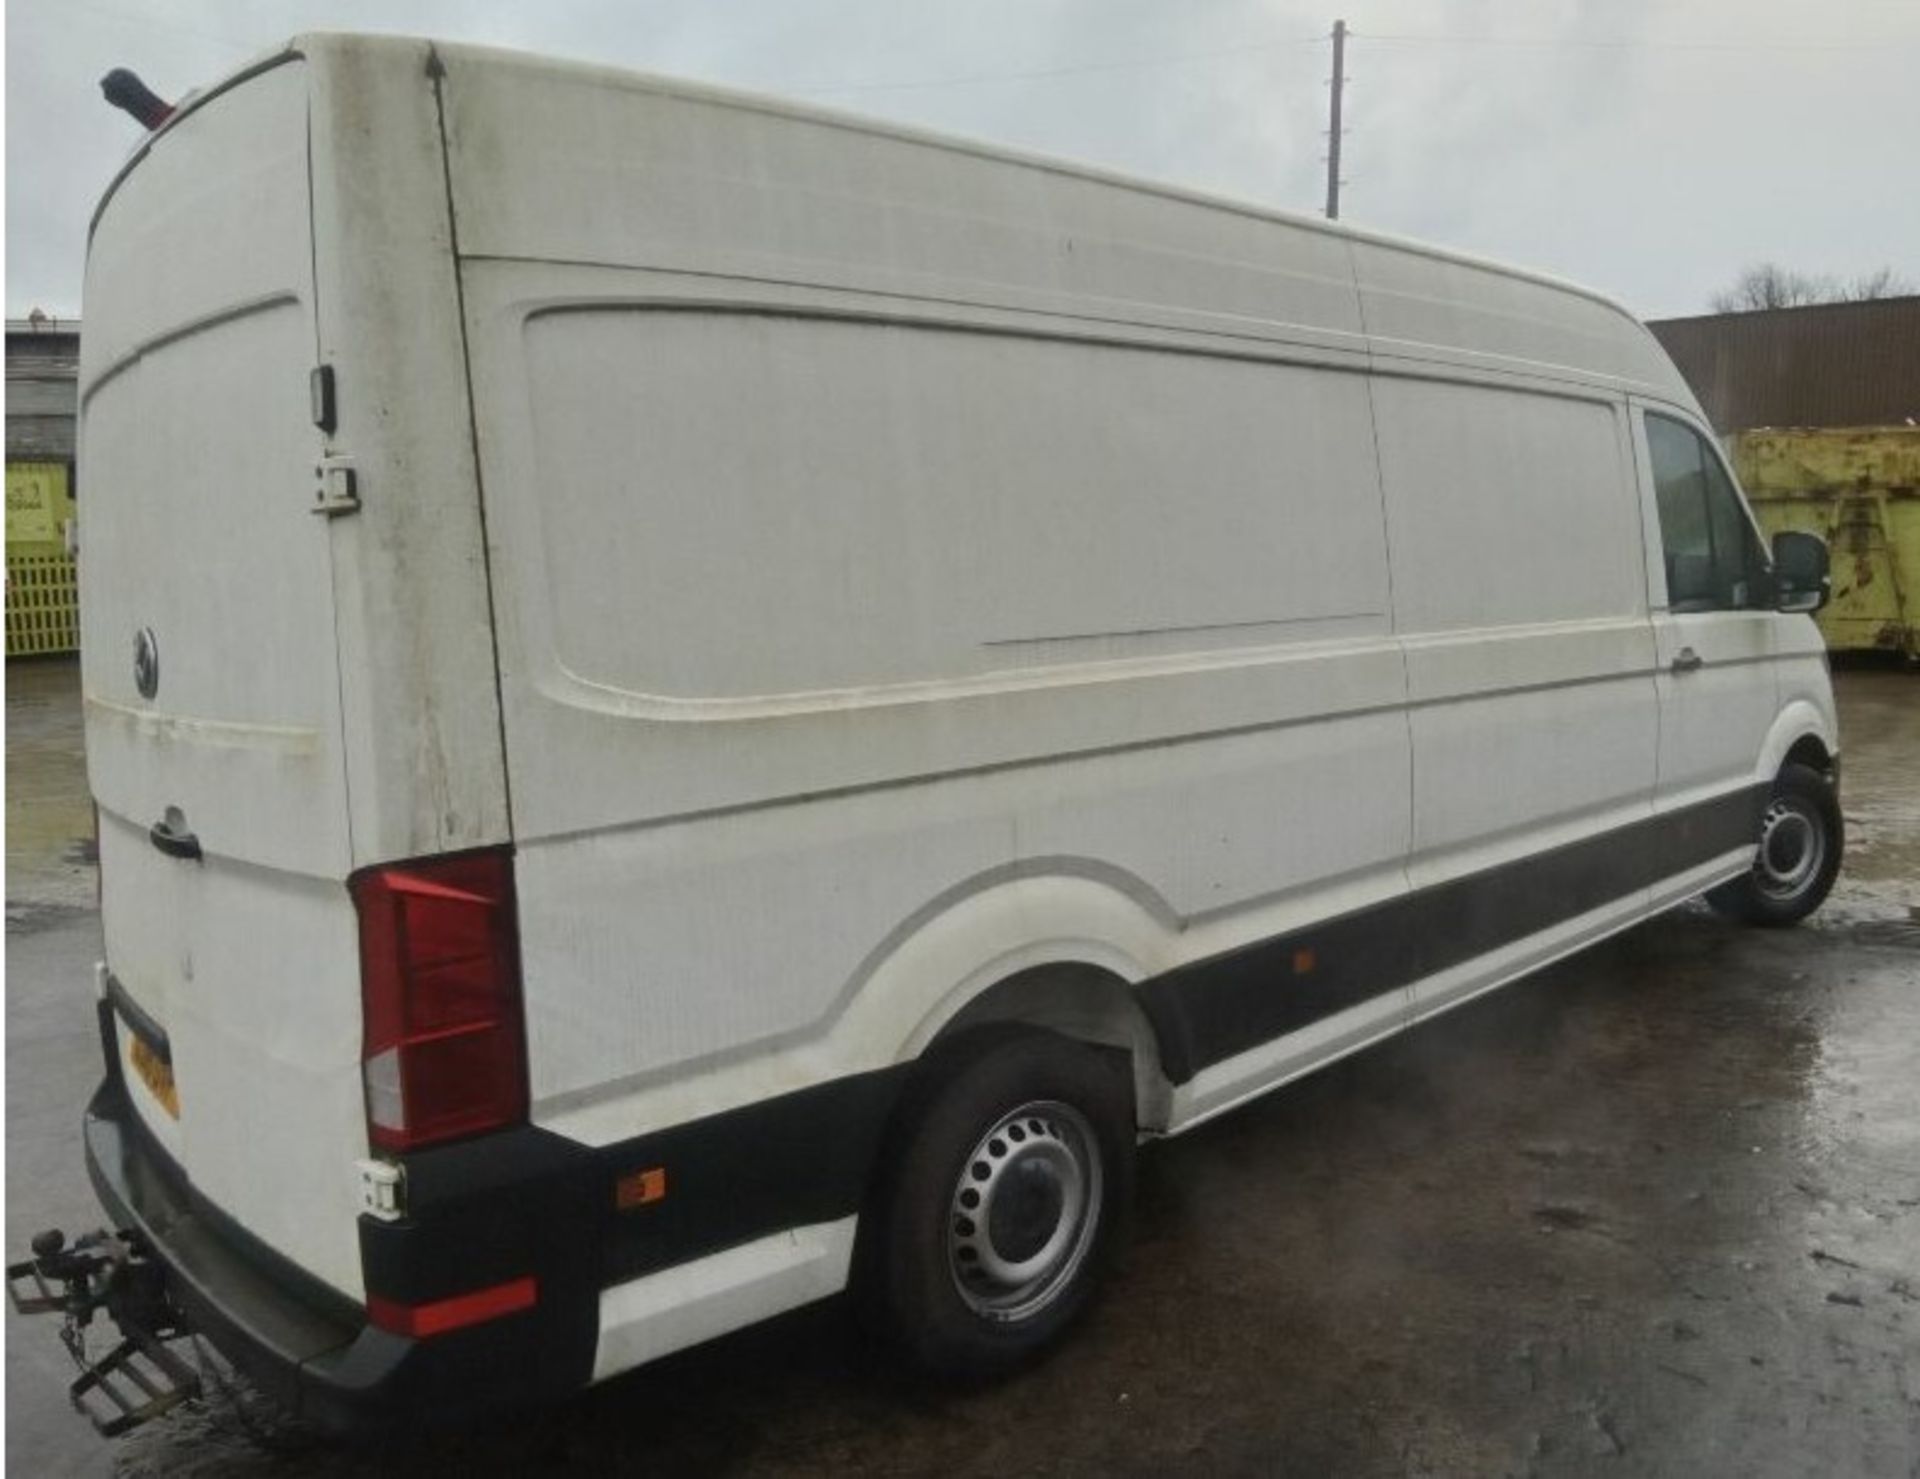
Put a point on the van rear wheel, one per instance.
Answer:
(1012, 1165)
(1798, 856)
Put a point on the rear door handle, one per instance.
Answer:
(171, 836)
(1686, 660)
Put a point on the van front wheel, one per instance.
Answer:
(1798, 855)
(1011, 1168)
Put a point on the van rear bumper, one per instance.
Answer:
(497, 1209)
(300, 1342)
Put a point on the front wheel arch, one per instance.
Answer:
(1801, 733)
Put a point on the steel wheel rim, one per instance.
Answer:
(1793, 846)
(1024, 1211)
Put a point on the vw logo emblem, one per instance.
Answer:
(146, 662)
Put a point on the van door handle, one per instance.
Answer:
(171, 836)
(1686, 660)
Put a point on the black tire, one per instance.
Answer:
(1801, 838)
(1056, 1104)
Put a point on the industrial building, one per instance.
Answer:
(43, 367)
(1825, 364)
(1819, 408)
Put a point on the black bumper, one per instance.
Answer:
(497, 1208)
(291, 1348)
(310, 1348)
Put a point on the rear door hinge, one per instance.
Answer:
(337, 490)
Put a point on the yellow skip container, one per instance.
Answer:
(1859, 489)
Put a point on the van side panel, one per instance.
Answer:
(654, 814)
(879, 528)
(743, 508)
(418, 686)
(1520, 594)
(1425, 309)
(567, 163)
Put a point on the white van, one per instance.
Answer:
(695, 701)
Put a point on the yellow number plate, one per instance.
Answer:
(157, 1075)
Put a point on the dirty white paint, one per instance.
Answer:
(196, 451)
(906, 564)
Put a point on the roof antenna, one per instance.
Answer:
(128, 93)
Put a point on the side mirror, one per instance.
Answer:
(1800, 579)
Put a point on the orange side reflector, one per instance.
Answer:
(442, 1315)
(1303, 962)
(640, 1188)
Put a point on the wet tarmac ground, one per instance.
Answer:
(1654, 1211)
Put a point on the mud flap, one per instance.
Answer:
(140, 1379)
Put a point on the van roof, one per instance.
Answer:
(314, 43)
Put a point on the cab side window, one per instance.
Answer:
(1714, 561)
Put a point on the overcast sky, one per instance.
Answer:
(1650, 148)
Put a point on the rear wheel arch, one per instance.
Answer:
(1059, 950)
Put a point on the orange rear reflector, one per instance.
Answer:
(442, 1315)
(157, 1074)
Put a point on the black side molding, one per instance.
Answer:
(1208, 1011)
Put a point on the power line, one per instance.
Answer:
(1395, 37)
(1632, 44)
(1139, 64)
(154, 23)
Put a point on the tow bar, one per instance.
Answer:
(139, 1379)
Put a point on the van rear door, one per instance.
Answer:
(211, 675)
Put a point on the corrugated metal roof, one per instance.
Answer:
(51, 395)
(1830, 364)
(49, 363)
(43, 367)
(43, 351)
(40, 438)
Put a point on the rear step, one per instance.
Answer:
(140, 1379)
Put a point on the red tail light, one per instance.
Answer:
(444, 1051)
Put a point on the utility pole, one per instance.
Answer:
(1333, 131)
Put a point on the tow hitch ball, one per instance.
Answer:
(139, 1379)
